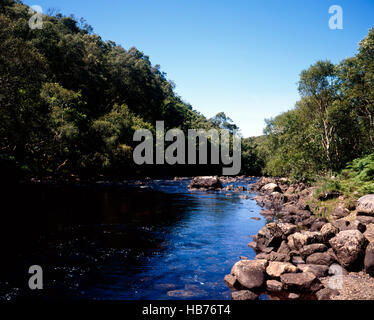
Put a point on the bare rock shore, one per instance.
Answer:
(300, 254)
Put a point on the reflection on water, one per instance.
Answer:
(148, 240)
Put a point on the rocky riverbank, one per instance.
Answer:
(300, 254)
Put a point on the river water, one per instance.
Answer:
(151, 239)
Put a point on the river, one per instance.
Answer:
(149, 239)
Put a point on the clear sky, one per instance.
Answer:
(242, 57)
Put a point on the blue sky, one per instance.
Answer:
(242, 57)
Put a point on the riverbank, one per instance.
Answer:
(304, 251)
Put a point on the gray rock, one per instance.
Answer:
(300, 239)
(323, 258)
(275, 268)
(271, 187)
(293, 296)
(329, 231)
(250, 273)
(269, 236)
(274, 285)
(349, 247)
(206, 182)
(340, 212)
(283, 248)
(297, 260)
(300, 282)
(326, 293)
(312, 248)
(243, 295)
(369, 233)
(369, 259)
(230, 281)
(366, 204)
(318, 270)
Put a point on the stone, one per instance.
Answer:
(269, 236)
(271, 187)
(230, 281)
(252, 245)
(243, 295)
(369, 259)
(300, 282)
(323, 258)
(366, 205)
(206, 182)
(283, 248)
(274, 285)
(326, 293)
(349, 246)
(312, 248)
(329, 231)
(369, 233)
(250, 273)
(318, 270)
(297, 260)
(273, 256)
(299, 239)
(340, 212)
(293, 296)
(275, 268)
(287, 228)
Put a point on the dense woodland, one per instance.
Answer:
(331, 125)
(70, 103)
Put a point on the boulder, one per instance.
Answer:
(323, 258)
(300, 282)
(326, 293)
(369, 259)
(340, 212)
(317, 269)
(271, 187)
(293, 296)
(273, 256)
(250, 273)
(349, 246)
(328, 231)
(283, 248)
(312, 248)
(274, 285)
(230, 281)
(275, 268)
(287, 228)
(297, 260)
(269, 236)
(243, 295)
(369, 233)
(206, 182)
(366, 204)
(299, 239)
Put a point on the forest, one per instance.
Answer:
(71, 102)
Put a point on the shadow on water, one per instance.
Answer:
(140, 240)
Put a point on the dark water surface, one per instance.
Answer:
(144, 240)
